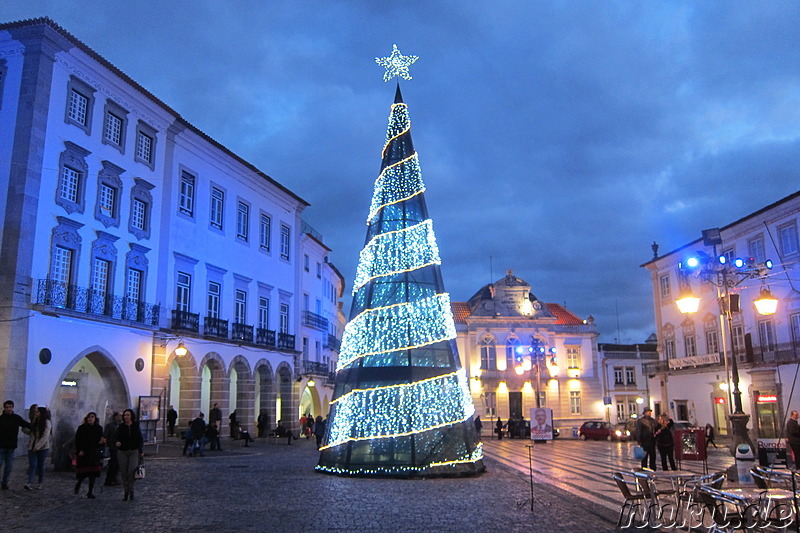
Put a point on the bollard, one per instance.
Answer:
(745, 460)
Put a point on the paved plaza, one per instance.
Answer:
(273, 487)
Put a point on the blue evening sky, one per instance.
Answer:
(559, 138)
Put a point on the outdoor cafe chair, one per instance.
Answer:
(633, 493)
(687, 497)
(727, 513)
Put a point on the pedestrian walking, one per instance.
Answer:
(172, 419)
(130, 446)
(498, 428)
(262, 423)
(319, 430)
(112, 470)
(38, 445)
(88, 452)
(710, 435)
(234, 425)
(10, 422)
(478, 425)
(198, 428)
(212, 436)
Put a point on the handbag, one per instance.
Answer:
(638, 452)
(140, 472)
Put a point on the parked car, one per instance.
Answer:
(621, 432)
(602, 431)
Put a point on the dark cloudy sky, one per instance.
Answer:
(559, 138)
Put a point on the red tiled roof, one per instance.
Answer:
(460, 311)
(563, 316)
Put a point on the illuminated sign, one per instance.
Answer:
(720, 401)
(766, 398)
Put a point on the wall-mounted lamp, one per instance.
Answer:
(180, 351)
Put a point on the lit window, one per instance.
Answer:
(575, 402)
(573, 357)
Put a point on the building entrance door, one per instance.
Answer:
(720, 410)
(515, 405)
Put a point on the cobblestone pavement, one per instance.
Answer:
(273, 487)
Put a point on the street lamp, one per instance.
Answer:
(725, 275)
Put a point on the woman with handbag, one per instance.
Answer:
(130, 450)
(89, 443)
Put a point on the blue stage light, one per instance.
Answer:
(768, 263)
(723, 260)
(692, 262)
(738, 262)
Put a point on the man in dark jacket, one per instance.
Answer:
(645, 428)
(10, 423)
(198, 428)
(793, 436)
(172, 418)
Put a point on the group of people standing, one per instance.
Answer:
(652, 434)
(122, 438)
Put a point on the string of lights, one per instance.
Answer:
(397, 251)
(400, 326)
(398, 182)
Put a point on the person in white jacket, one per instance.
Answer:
(38, 445)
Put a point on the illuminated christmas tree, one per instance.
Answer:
(401, 404)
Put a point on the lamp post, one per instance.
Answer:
(725, 275)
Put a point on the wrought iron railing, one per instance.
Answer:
(333, 343)
(265, 337)
(242, 332)
(184, 320)
(285, 341)
(314, 320)
(315, 368)
(85, 300)
(215, 327)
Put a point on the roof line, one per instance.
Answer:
(744, 218)
(47, 21)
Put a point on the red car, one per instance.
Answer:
(603, 431)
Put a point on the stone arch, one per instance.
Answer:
(91, 381)
(242, 391)
(309, 401)
(285, 389)
(183, 387)
(265, 392)
(214, 386)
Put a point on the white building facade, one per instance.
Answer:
(504, 319)
(692, 379)
(128, 232)
(625, 384)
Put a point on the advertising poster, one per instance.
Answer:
(541, 424)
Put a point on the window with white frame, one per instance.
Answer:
(141, 202)
(217, 207)
(214, 294)
(240, 306)
(737, 334)
(766, 335)
(690, 345)
(730, 255)
(712, 341)
(664, 285)
(669, 348)
(186, 205)
(511, 351)
(621, 411)
(100, 284)
(114, 125)
(755, 248)
(286, 234)
(183, 292)
(107, 200)
(61, 268)
(70, 184)
(109, 188)
(788, 238)
(573, 357)
(630, 375)
(263, 312)
(242, 221)
(490, 399)
(542, 398)
(284, 318)
(619, 378)
(133, 284)
(145, 144)
(80, 103)
(488, 354)
(575, 402)
(265, 226)
(139, 214)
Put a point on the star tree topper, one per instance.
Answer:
(396, 64)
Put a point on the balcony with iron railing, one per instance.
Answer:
(314, 320)
(215, 327)
(332, 343)
(286, 341)
(315, 368)
(185, 321)
(242, 332)
(59, 295)
(265, 337)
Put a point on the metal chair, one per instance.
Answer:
(633, 493)
(727, 513)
